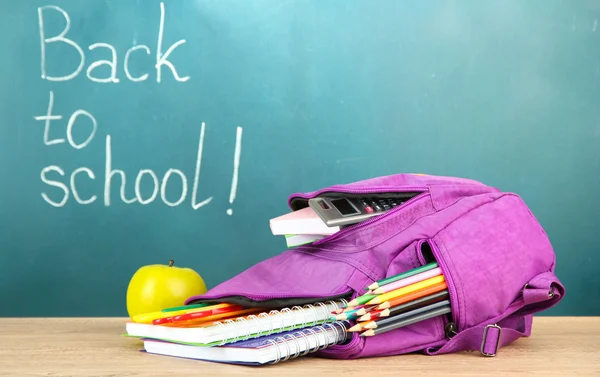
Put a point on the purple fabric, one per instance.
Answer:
(497, 260)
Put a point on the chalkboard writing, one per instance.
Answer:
(55, 176)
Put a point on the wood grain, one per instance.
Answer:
(82, 347)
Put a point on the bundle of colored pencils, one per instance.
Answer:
(398, 301)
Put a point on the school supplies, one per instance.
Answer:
(361, 300)
(409, 273)
(238, 328)
(496, 260)
(413, 295)
(401, 308)
(149, 317)
(263, 350)
(293, 240)
(396, 293)
(395, 318)
(401, 322)
(408, 281)
(304, 221)
(185, 307)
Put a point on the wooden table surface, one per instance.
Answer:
(561, 346)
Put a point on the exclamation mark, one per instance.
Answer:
(236, 166)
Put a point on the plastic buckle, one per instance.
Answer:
(485, 331)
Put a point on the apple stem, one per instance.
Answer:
(171, 262)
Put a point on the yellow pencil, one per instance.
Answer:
(405, 290)
(356, 328)
(149, 317)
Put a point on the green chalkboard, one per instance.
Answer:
(134, 132)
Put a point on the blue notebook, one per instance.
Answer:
(269, 349)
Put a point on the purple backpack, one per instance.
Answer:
(496, 258)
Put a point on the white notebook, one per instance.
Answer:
(241, 328)
(264, 350)
(302, 221)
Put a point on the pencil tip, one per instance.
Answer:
(368, 333)
(373, 286)
(374, 301)
(353, 303)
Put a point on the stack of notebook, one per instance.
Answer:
(301, 227)
(229, 333)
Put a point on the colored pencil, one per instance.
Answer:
(383, 321)
(186, 307)
(423, 301)
(403, 275)
(351, 308)
(356, 328)
(405, 290)
(372, 315)
(347, 315)
(198, 315)
(149, 317)
(408, 281)
(361, 300)
(225, 315)
(407, 321)
(366, 309)
(413, 296)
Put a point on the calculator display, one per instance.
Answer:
(344, 206)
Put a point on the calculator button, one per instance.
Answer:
(363, 203)
(386, 207)
(369, 209)
(377, 208)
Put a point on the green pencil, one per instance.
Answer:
(403, 275)
(184, 307)
(361, 300)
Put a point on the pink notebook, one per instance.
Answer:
(302, 221)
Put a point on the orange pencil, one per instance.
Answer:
(413, 295)
(150, 317)
(212, 318)
(196, 315)
(406, 290)
(356, 328)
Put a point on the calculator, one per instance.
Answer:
(340, 211)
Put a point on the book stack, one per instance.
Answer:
(301, 227)
(229, 333)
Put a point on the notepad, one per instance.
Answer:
(293, 240)
(302, 221)
(264, 350)
(239, 328)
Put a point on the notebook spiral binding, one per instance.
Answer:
(338, 336)
(234, 325)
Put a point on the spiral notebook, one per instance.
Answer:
(264, 350)
(240, 328)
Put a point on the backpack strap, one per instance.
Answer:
(487, 339)
(542, 292)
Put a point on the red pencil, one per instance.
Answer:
(196, 315)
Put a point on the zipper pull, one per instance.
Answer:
(450, 329)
